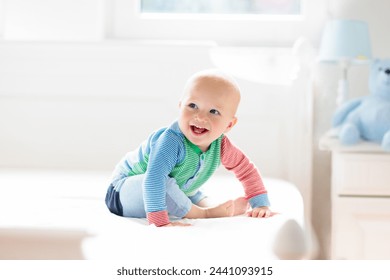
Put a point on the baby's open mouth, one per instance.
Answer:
(198, 130)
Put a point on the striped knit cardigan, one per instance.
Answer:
(168, 153)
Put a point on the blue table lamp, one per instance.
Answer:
(345, 42)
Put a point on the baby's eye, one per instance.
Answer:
(193, 106)
(214, 112)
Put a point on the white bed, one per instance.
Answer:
(61, 215)
(76, 106)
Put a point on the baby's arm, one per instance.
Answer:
(162, 159)
(234, 159)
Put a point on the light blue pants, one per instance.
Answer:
(130, 194)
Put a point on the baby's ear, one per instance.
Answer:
(231, 124)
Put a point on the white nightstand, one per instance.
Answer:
(360, 199)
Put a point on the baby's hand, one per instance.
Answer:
(260, 212)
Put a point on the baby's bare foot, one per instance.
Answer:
(225, 209)
(241, 205)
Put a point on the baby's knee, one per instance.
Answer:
(113, 201)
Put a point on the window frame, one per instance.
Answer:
(128, 22)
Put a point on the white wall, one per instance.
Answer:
(83, 105)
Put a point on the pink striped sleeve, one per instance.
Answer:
(234, 159)
(159, 218)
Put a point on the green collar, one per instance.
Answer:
(195, 148)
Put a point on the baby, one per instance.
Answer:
(163, 176)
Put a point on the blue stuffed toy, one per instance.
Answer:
(368, 118)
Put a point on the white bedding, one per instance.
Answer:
(61, 215)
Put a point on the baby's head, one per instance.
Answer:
(208, 107)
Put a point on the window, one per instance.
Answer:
(226, 7)
(244, 22)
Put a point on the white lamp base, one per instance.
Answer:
(342, 92)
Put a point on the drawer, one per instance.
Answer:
(360, 232)
(366, 174)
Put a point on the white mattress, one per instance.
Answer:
(62, 215)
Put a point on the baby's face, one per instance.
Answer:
(208, 110)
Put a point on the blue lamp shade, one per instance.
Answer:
(345, 40)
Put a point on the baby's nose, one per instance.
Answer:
(201, 116)
(387, 71)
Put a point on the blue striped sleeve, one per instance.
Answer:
(165, 153)
(259, 200)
